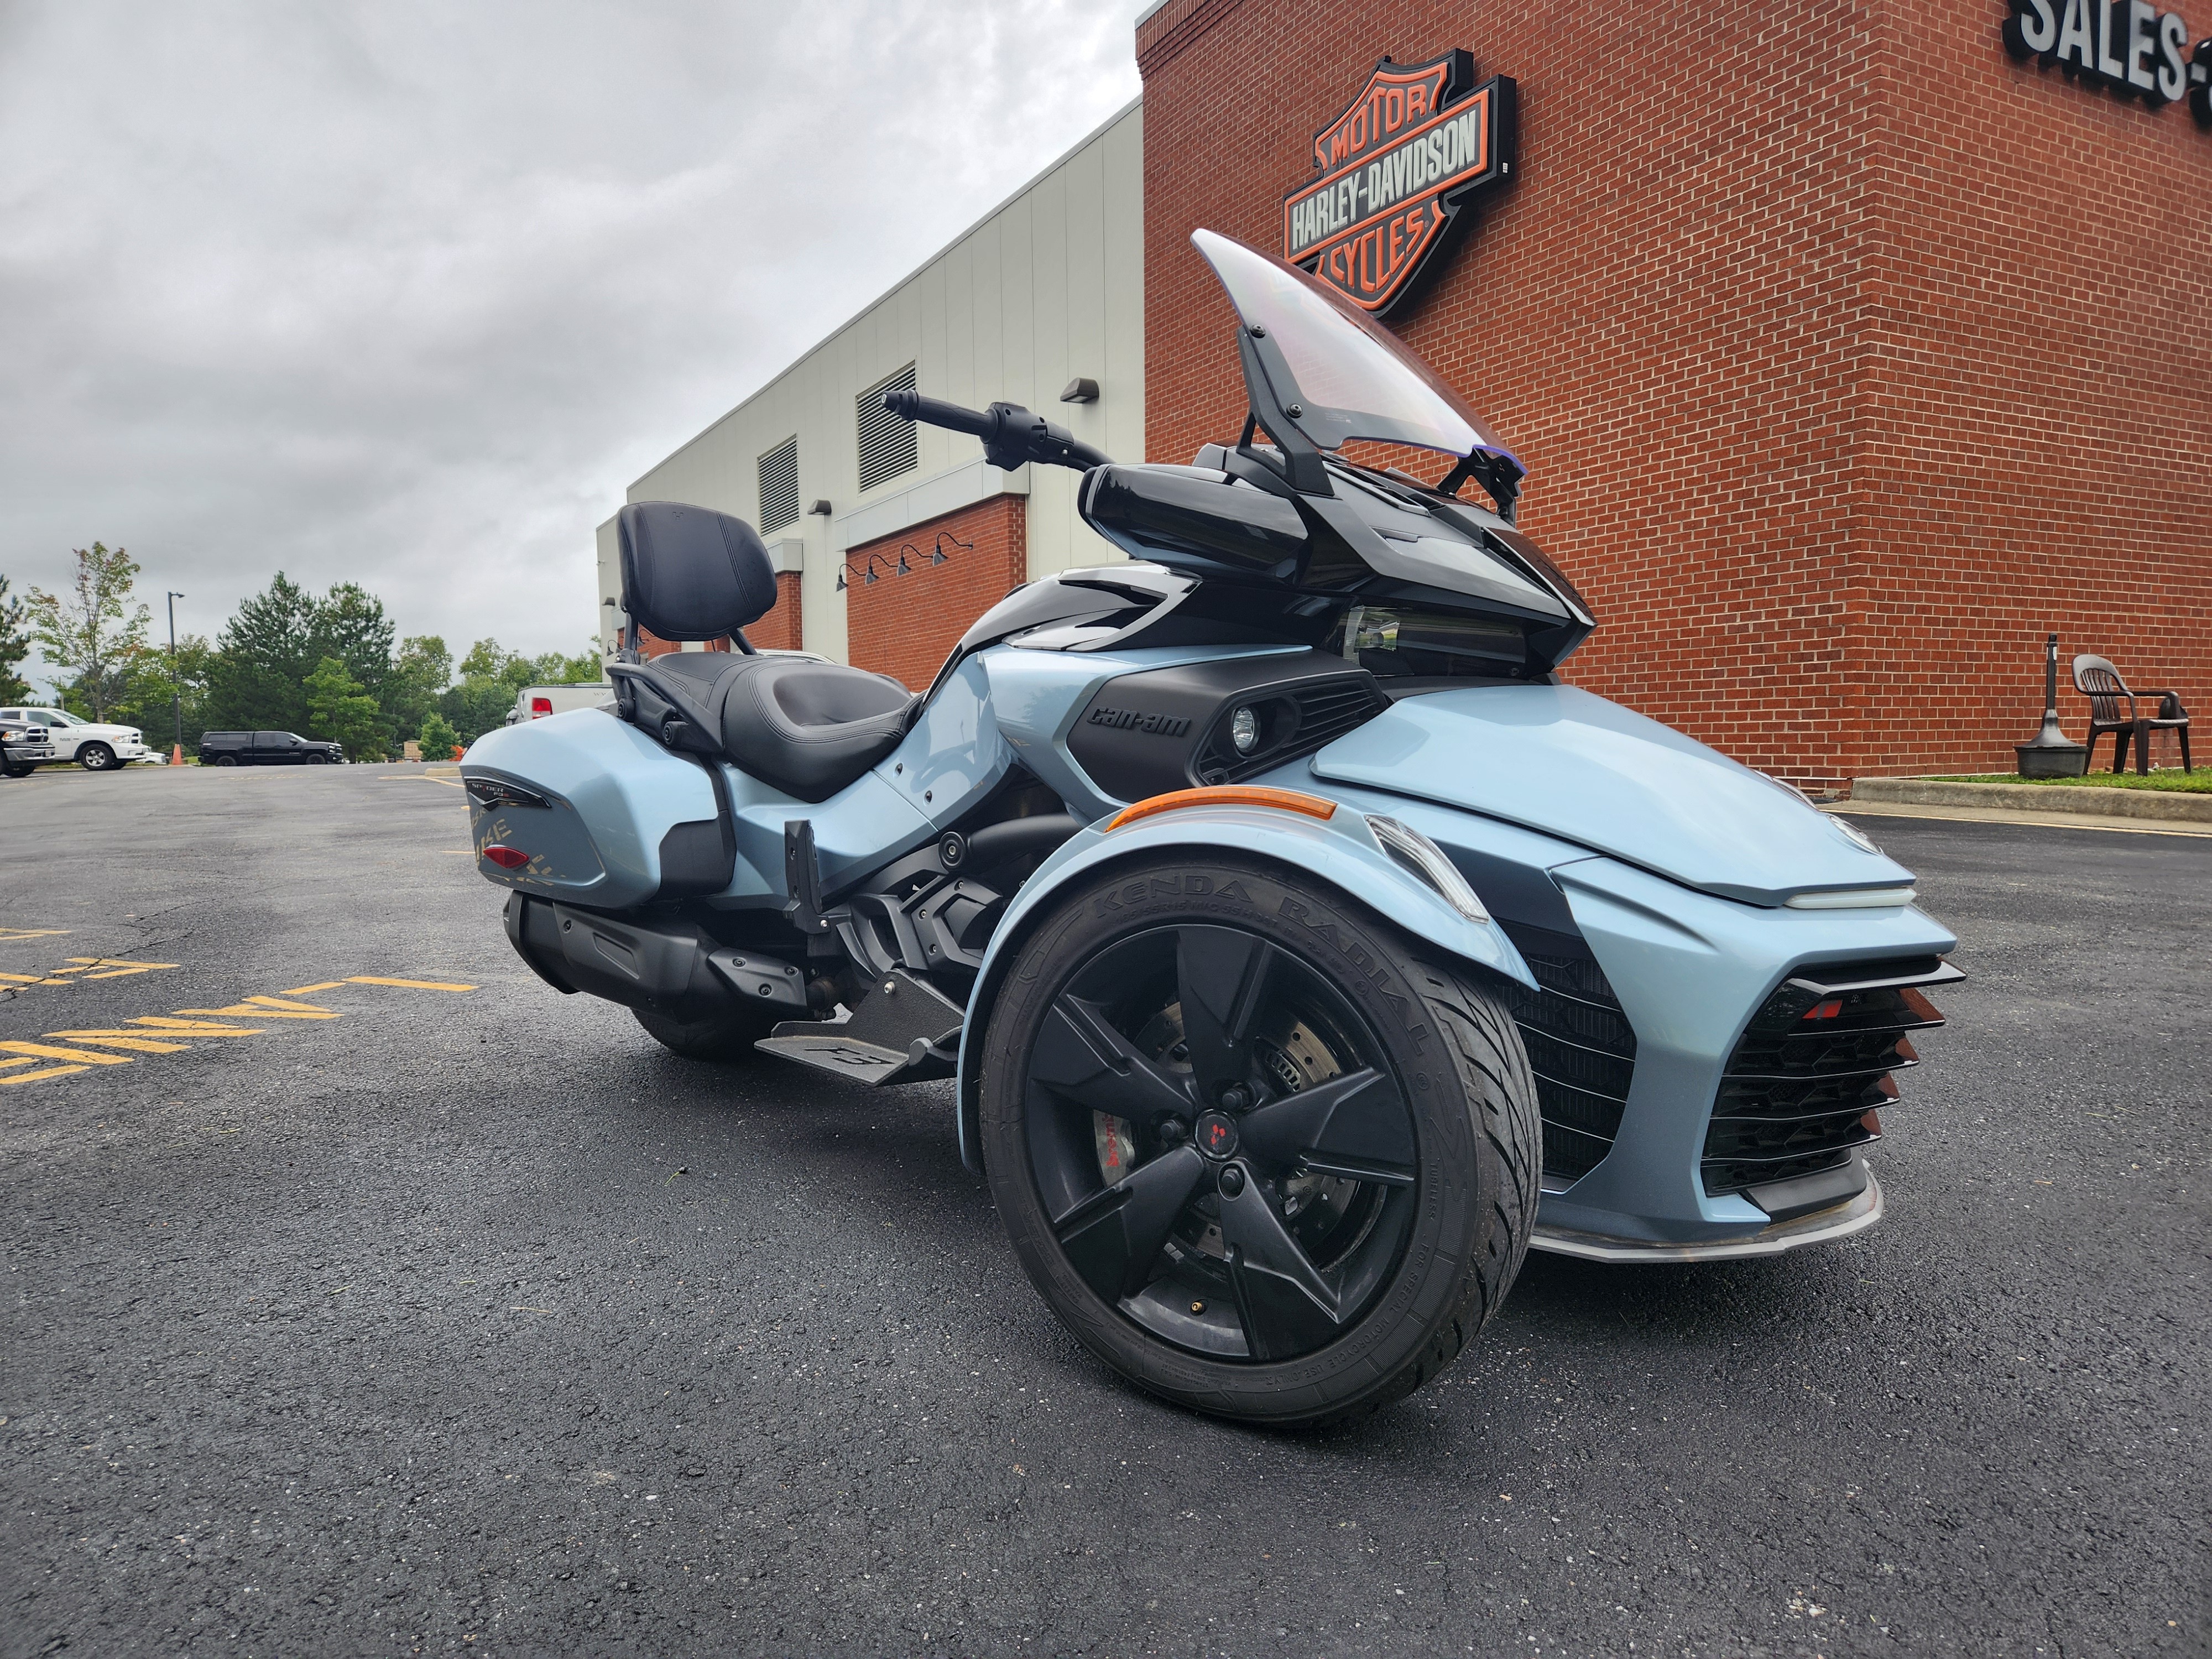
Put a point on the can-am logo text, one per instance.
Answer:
(1397, 167)
(1160, 726)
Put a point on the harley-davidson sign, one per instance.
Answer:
(1397, 167)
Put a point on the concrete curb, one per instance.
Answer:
(1868, 812)
(2057, 798)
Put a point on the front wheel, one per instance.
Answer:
(723, 1040)
(96, 758)
(1263, 1156)
(226, 760)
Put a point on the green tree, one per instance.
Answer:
(491, 676)
(148, 699)
(484, 694)
(585, 668)
(93, 631)
(340, 711)
(422, 669)
(349, 623)
(260, 673)
(436, 737)
(15, 646)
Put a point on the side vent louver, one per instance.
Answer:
(1583, 1051)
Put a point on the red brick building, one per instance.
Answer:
(1848, 353)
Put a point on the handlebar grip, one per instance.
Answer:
(935, 412)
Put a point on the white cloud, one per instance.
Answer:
(408, 293)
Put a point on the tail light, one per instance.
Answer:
(507, 858)
(540, 706)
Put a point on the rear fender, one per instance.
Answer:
(1339, 850)
(612, 796)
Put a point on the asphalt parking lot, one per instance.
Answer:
(354, 1312)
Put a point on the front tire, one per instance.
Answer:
(96, 758)
(722, 1041)
(226, 760)
(1264, 1157)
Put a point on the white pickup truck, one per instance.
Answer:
(96, 748)
(535, 703)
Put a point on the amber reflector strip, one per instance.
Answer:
(1227, 794)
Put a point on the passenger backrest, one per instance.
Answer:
(689, 573)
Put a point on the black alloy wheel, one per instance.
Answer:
(1261, 1158)
(226, 760)
(96, 758)
(318, 760)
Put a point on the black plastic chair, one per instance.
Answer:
(2098, 680)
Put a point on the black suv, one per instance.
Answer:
(267, 749)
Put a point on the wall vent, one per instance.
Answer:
(779, 486)
(887, 446)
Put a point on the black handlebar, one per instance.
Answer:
(1012, 435)
(935, 411)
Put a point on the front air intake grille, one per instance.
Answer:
(1300, 720)
(1804, 1088)
(1581, 1048)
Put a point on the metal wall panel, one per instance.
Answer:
(1048, 286)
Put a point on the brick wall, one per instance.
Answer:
(906, 625)
(779, 630)
(651, 645)
(2041, 363)
(1847, 357)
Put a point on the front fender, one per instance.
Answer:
(1340, 850)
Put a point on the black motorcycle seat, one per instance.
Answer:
(808, 728)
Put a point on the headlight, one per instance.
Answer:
(1418, 854)
(1244, 731)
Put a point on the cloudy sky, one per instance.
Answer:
(407, 292)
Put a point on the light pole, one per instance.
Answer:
(176, 683)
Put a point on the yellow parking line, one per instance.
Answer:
(408, 984)
(161, 1025)
(133, 1041)
(122, 969)
(254, 1011)
(41, 1051)
(19, 979)
(309, 990)
(50, 1071)
(32, 932)
(21, 1060)
(296, 1007)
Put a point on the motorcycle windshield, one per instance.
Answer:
(1354, 378)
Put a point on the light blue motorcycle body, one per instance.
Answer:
(1673, 864)
(1300, 947)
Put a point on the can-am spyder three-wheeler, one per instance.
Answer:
(1302, 948)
